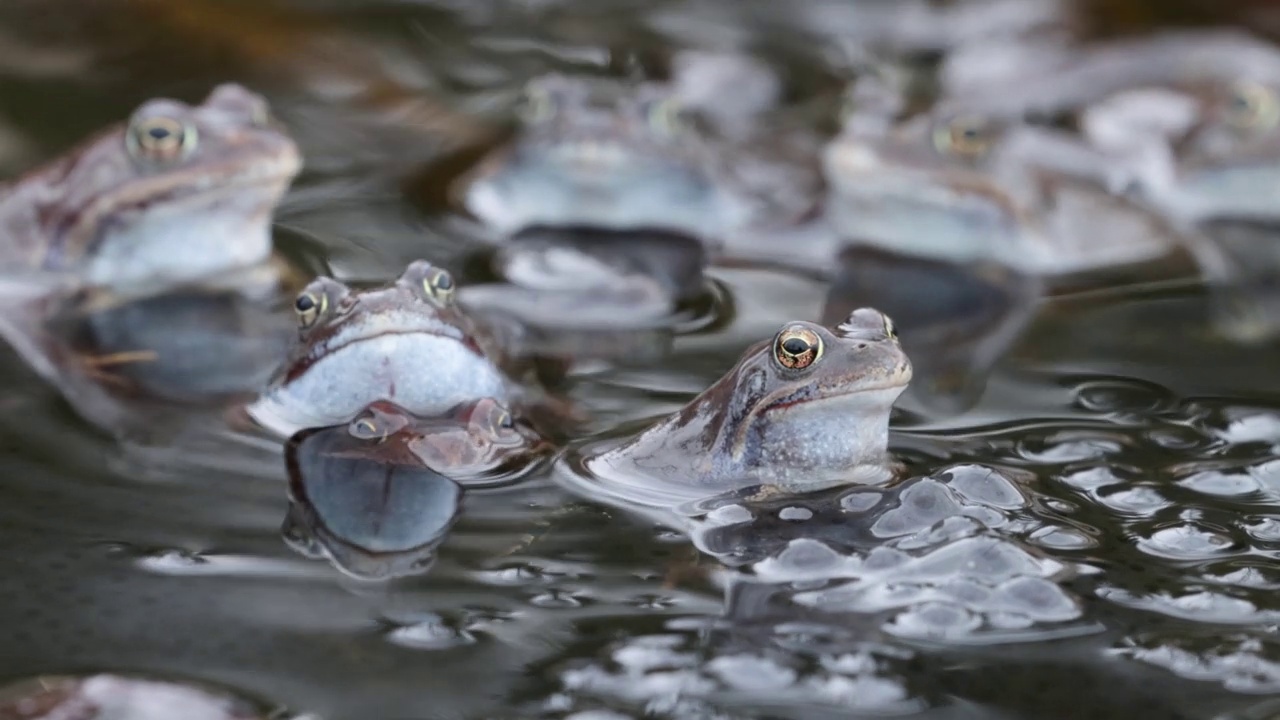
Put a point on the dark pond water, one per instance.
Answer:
(1097, 537)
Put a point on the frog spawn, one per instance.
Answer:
(949, 556)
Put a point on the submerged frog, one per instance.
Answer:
(177, 193)
(962, 186)
(805, 410)
(599, 153)
(408, 343)
(114, 697)
(378, 495)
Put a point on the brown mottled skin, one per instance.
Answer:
(115, 212)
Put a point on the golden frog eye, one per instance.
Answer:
(1252, 106)
(160, 139)
(438, 285)
(966, 136)
(535, 105)
(309, 306)
(797, 348)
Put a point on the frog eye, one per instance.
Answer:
(667, 116)
(797, 348)
(502, 420)
(309, 306)
(966, 136)
(1252, 107)
(160, 139)
(535, 105)
(438, 285)
(890, 331)
(367, 428)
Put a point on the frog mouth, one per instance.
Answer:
(380, 329)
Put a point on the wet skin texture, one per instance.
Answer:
(178, 192)
(1212, 147)
(806, 409)
(597, 153)
(407, 343)
(962, 186)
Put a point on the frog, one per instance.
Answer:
(104, 696)
(963, 185)
(807, 409)
(407, 342)
(1201, 149)
(616, 155)
(177, 193)
(1191, 114)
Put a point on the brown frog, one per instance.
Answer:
(177, 193)
(407, 343)
(805, 410)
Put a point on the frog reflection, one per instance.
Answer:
(583, 294)
(963, 186)
(378, 495)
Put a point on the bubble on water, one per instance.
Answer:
(1265, 529)
(1221, 484)
(805, 559)
(729, 515)
(557, 599)
(751, 673)
(984, 486)
(675, 676)
(1263, 427)
(1092, 478)
(1239, 662)
(1268, 476)
(934, 621)
(795, 514)
(1061, 539)
(1139, 501)
(1122, 395)
(1204, 606)
(954, 589)
(1185, 542)
(920, 506)
(431, 633)
(858, 502)
(1062, 451)
(1248, 576)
